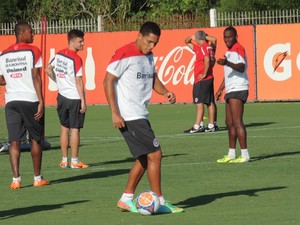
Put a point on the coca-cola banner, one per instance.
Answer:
(174, 61)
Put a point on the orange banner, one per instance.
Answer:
(278, 62)
(174, 61)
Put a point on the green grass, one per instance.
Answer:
(263, 192)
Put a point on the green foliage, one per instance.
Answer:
(257, 5)
(119, 10)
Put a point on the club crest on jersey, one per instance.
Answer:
(155, 142)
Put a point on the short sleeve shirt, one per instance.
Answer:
(201, 52)
(16, 64)
(234, 80)
(67, 66)
(135, 72)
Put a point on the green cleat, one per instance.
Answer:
(225, 159)
(168, 208)
(128, 206)
(240, 160)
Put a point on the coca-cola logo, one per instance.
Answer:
(61, 75)
(16, 75)
(176, 67)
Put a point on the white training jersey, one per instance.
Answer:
(67, 66)
(16, 63)
(135, 72)
(234, 80)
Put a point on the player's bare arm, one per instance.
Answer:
(159, 88)
(37, 83)
(2, 81)
(240, 67)
(50, 72)
(188, 41)
(80, 89)
(220, 90)
(213, 41)
(109, 88)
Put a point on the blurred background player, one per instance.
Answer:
(236, 85)
(128, 85)
(66, 70)
(20, 71)
(203, 88)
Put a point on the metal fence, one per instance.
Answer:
(101, 24)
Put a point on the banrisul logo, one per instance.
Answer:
(140, 75)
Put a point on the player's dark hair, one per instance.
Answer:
(20, 27)
(74, 34)
(150, 28)
(232, 29)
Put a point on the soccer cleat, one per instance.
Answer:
(169, 208)
(128, 206)
(79, 165)
(63, 164)
(193, 130)
(43, 182)
(239, 160)
(16, 184)
(207, 129)
(225, 159)
(216, 127)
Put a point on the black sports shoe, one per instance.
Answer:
(213, 129)
(193, 130)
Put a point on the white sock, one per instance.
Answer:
(162, 200)
(38, 178)
(210, 126)
(231, 153)
(75, 160)
(245, 153)
(17, 179)
(64, 159)
(201, 124)
(196, 126)
(127, 197)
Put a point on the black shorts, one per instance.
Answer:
(20, 118)
(69, 112)
(241, 95)
(203, 92)
(140, 137)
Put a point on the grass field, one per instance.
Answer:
(262, 192)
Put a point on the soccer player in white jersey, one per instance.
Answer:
(236, 84)
(20, 71)
(128, 85)
(66, 70)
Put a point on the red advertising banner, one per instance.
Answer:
(278, 62)
(174, 61)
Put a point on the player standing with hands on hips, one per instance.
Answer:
(128, 85)
(24, 109)
(66, 70)
(236, 84)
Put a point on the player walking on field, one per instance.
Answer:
(24, 110)
(128, 85)
(66, 70)
(236, 84)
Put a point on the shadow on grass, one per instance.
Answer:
(92, 175)
(206, 199)
(281, 154)
(10, 213)
(128, 160)
(258, 124)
